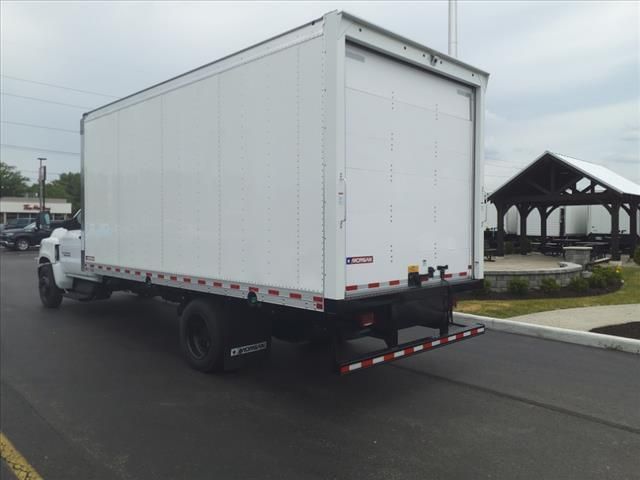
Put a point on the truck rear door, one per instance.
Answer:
(409, 173)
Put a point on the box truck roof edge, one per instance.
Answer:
(342, 13)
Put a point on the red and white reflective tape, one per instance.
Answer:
(400, 283)
(309, 300)
(374, 285)
(406, 352)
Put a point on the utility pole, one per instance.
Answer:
(453, 28)
(42, 178)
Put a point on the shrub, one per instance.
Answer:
(508, 248)
(518, 286)
(605, 277)
(549, 285)
(597, 280)
(579, 284)
(636, 256)
(486, 287)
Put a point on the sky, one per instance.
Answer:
(565, 76)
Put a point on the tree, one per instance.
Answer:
(12, 183)
(66, 186)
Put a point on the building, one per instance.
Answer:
(555, 182)
(29, 207)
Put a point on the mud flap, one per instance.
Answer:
(248, 336)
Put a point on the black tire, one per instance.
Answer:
(22, 244)
(202, 335)
(50, 294)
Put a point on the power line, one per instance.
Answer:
(22, 147)
(46, 101)
(59, 86)
(48, 172)
(32, 125)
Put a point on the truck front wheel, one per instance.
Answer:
(50, 294)
(22, 244)
(202, 335)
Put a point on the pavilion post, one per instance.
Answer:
(500, 233)
(543, 224)
(615, 231)
(524, 213)
(633, 225)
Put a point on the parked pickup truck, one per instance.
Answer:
(15, 223)
(23, 238)
(33, 233)
(322, 185)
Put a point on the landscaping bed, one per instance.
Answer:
(510, 304)
(628, 330)
(563, 292)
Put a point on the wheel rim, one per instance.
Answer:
(23, 244)
(198, 337)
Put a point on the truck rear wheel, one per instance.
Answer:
(50, 294)
(202, 335)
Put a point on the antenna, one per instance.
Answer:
(453, 28)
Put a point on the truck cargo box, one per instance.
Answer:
(335, 161)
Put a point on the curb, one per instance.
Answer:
(588, 339)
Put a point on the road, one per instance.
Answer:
(99, 390)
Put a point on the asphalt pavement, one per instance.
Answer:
(99, 391)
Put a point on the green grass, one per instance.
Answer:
(628, 293)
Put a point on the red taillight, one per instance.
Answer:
(366, 319)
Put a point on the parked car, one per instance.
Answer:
(23, 238)
(15, 223)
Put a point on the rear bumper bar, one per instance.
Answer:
(457, 333)
(400, 296)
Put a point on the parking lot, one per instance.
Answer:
(99, 390)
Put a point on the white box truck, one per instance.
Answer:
(323, 184)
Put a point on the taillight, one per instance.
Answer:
(366, 319)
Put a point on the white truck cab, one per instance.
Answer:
(60, 265)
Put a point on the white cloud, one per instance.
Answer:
(536, 52)
(592, 134)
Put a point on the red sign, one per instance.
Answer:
(32, 206)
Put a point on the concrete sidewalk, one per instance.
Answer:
(583, 319)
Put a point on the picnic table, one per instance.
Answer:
(598, 249)
(565, 242)
(552, 248)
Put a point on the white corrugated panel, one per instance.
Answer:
(599, 220)
(220, 178)
(576, 220)
(409, 174)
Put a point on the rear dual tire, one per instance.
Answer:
(202, 335)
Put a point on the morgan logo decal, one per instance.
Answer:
(358, 260)
(248, 349)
